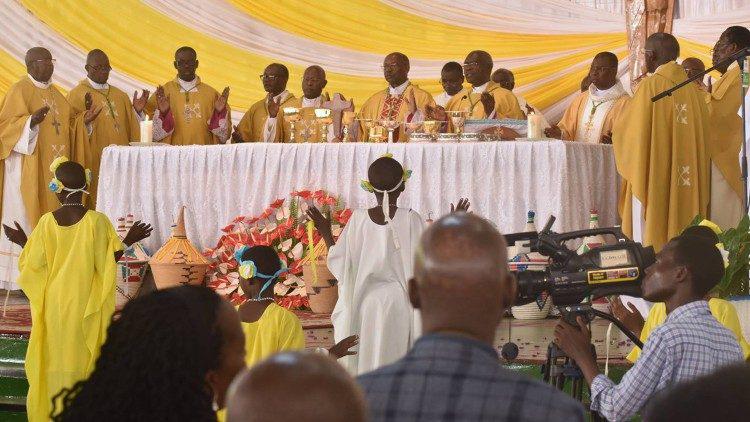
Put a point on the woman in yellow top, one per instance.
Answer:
(268, 327)
(67, 270)
(722, 310)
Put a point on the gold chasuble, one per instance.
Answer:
(384, 106)
(590, 116)
(192, 112)
(68, 274)
(726, 142)
(506, 104)
(253, 123)
(55, 139)
(307, 128)
(661, 151)
(116, 124)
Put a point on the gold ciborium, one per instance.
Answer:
(431, 126)
(323, 116)
(458, 119)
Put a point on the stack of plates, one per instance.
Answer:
(420, 137)
(448, 137)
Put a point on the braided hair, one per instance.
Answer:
(154, 362)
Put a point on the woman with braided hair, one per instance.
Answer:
(170, 356)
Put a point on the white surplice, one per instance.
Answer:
(373, 300)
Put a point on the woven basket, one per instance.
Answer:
(323, 294)
(128, 281)
(531, 310)
(178, 262)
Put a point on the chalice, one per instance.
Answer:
(367, 125)
(291, 115)
(391, 125)
(323, 116)
(431, 126)
(458, 118)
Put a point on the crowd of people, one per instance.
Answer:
(418, 307)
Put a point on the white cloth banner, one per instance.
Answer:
(218, 183)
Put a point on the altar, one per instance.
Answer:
(503, 180)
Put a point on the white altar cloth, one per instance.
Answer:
(503, 180)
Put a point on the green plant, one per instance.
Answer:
(737, 243)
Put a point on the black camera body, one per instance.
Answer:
(609, 269)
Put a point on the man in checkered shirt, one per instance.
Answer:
(690, 343)
(462, 287)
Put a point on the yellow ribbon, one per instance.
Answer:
(311, 252)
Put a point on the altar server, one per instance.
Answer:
(117, 125)
(592, 114)
(68, 267)
(189, 112)
(373, 260)
(259, 124)
(36, 126)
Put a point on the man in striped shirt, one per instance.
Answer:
(690, 343)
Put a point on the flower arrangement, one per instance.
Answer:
(282, 226)
(736, 244)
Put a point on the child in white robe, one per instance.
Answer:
(372, 260)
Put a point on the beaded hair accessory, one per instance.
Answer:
(56, 186)
(248, 270)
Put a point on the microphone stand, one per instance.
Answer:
(739, 57)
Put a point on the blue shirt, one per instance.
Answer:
(690, 343)
(455, 378)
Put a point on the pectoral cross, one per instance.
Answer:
(53, 108)
(57, 125)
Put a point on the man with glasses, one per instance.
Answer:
(187, 111)
(259, 124)
(484, 99)
(452, 80)
(397, 103)
(724, 100)
(36, 126)
(592, 114)
(118, 122)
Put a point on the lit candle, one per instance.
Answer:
(147, 130)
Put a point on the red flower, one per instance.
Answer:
(319, 194)
(277, 203)
(304, 194)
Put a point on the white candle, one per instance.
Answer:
(534, 126)
(147, 130)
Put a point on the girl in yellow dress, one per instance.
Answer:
(67, 270)
(268, 327)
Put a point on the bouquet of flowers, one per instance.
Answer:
(282, 226)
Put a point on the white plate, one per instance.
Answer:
(148, 144)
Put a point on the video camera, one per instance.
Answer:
(611, 269)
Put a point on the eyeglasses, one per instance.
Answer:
(269, 77)
(44, 60)
(185, 62)
(470, 64)
(100, 68)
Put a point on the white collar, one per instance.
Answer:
(42, 85)
(314, 102)
(281, 97)
(187, 85)
(399, 90)
(481, 88)
(615, 91)
(96, 85)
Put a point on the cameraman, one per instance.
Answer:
(689, 344)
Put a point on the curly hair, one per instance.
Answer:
(153, 364)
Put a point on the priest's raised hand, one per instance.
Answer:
(273, 106)
(38, 116)
(221, 101)
(162, 100)
(91, 113)
(488, 102)
(139, 103)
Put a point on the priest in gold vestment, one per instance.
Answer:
(117, 124)
(259, 124)
(662, 151)
(187, 111)
(307, 128)
(394, 103)
(592, 114)
(36, 126)
(484, 99)
(724, 101)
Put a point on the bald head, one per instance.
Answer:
(478, 67)
(97, 66)
(661, 48)
(322, 391)
(39, 64)
(313, 81)
(505, 78)
(458, 257)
